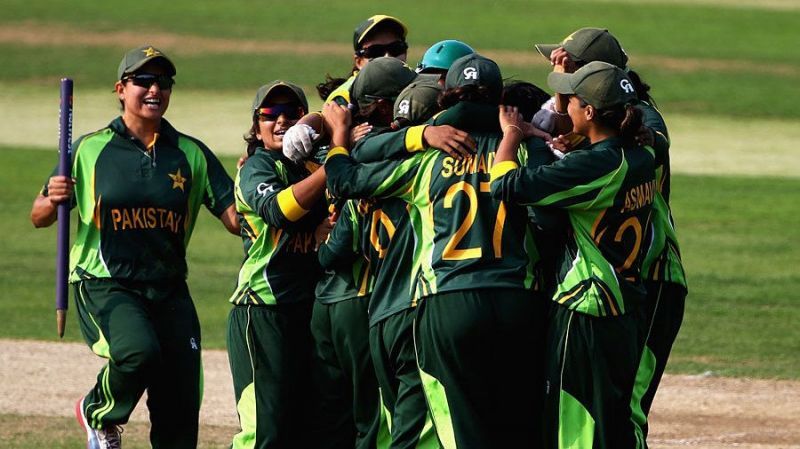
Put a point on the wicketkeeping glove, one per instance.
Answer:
(298, 142)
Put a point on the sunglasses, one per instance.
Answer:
(165, 82)
(271, 113)
(394, 49)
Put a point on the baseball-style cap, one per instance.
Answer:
(136, 58)
(590, 44)
(383, 77)
(368, 25)
(418, 101)
(598, 83)
(277, 85)
(475, 69)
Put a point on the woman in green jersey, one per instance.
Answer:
(607, 191)
(138, 185)
(476, 320)
(280, 205)
(662, 267)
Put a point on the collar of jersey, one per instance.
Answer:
(166, 134)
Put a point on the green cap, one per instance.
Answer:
(598, 83)
(277, 85)
(590, 44)
(419, 100)
(383, 77)
(475, 69)
(368, 25)
(136, 58)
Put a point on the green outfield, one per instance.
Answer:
(724, 74)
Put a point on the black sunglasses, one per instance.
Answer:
(394, 49)
(146, 80)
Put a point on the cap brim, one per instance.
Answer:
(546, 49)
(382, 20)
(162, 59)
(285, 87)
(561, 83)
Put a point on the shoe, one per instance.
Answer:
(107, 438)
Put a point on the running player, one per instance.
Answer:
(138, 185)
(607, 191)
(269, 341)
(476, 380)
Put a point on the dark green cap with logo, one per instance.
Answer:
(136, 58)
(368, 25)
(598, 83)
(419, 100)
(590, 44)
(277, 85)
(478, 70)
(383, 78)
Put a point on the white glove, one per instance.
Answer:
(298, 142)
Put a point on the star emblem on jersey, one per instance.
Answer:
(150, 52)
(177, 180)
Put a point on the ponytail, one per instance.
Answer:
(625, 119)
(250, 138)
(642, 88)
(325, 88)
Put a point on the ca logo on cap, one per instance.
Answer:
(626, 86)
(470, 73)
(403, 107)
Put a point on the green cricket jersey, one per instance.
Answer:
(280, 264)
(467, 239)
(662, 261)
(608, 191)
(137, 206)
(348, 274)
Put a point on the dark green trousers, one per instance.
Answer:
(150, 334)
(662, 318)
(270, 348)
(348, 413)
(480, 364)
(591, 367)
(391, 343)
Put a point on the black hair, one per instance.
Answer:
(250, 137)
(527, 97)
(642, 88)
(625, 119)
(476, 93)
(325, 88)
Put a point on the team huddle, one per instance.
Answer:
(437, 259)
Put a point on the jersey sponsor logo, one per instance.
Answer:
(470, 73)
(403, 107)
(177, 180)
(625, 84)
(146, 218)
(474, 164)
(639, 196)
(264, 188)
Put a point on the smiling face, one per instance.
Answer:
(379, 36)
(270, 128)
(142, 103)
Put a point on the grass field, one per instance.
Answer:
(724, 73)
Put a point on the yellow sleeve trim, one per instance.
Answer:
(414, 138)
(336, 151)
(502, 168)
(289, 205)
